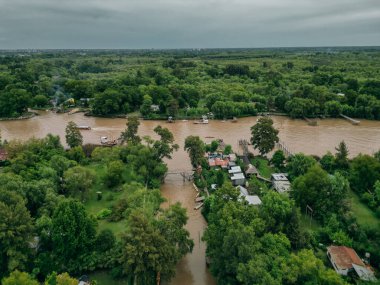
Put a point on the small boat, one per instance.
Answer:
(198, 206)
(104, 141)
(170, 119)
(199, 199)
(84, 128)
(234, 120)
(208, 137)
(203, 121)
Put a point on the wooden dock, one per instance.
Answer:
(281, 145)
(351, 120)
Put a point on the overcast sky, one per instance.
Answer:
(187, 23)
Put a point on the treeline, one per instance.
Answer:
(89, 208)
(189, 84)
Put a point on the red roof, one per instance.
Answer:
(344, 256)
(218, 162)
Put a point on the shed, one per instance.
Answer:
(251, 170)
(235, 169)
(279, 177)
(251, 199)
(238, 179)
(280, 182)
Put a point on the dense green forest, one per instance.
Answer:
(88, 209)
(305, 82)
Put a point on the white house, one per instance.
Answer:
(238, 179)
(251, 199)
(280, 182)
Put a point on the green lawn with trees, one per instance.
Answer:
(65, 212)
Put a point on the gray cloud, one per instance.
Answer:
(187, 23)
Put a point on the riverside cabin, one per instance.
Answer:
(345, 260)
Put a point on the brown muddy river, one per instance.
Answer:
(296, 134)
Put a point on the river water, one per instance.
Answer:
(296, 134)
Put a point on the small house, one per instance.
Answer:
(154, 108)
(345, 260)
(251, 199)
(234, 170)
(251, 171)
(280, 182)
(238, 179)
(213, 162)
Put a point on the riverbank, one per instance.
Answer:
(25, 116)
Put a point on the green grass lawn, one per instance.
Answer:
(364, 215)
(93, 205)
(263, 166)
(307, 224)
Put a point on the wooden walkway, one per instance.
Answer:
(186, 174)
(281, 145)
(244, 145)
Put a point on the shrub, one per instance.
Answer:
(104, 213)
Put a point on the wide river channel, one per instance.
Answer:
(297, 135)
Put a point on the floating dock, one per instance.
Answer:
(351, 120)
(84, 128)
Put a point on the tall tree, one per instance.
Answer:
(165, 145)
(73, 136)
(78, 180)
(130, 134)
(152, 248)
(278, 159)
(299, 164)
(264, 135)
(72, 233)
(325, 194)
(196, 149)
(341, 156)
(16, 229)
(364, 172)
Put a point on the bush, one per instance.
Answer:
(104, 213)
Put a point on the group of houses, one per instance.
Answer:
(239, 176)
(343, 259)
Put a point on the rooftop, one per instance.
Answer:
(237, 176)
(279, 177)
(344, 257)
(251, 199)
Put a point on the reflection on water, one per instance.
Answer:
(296, 134)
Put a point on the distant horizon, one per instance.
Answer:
(198, 48)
